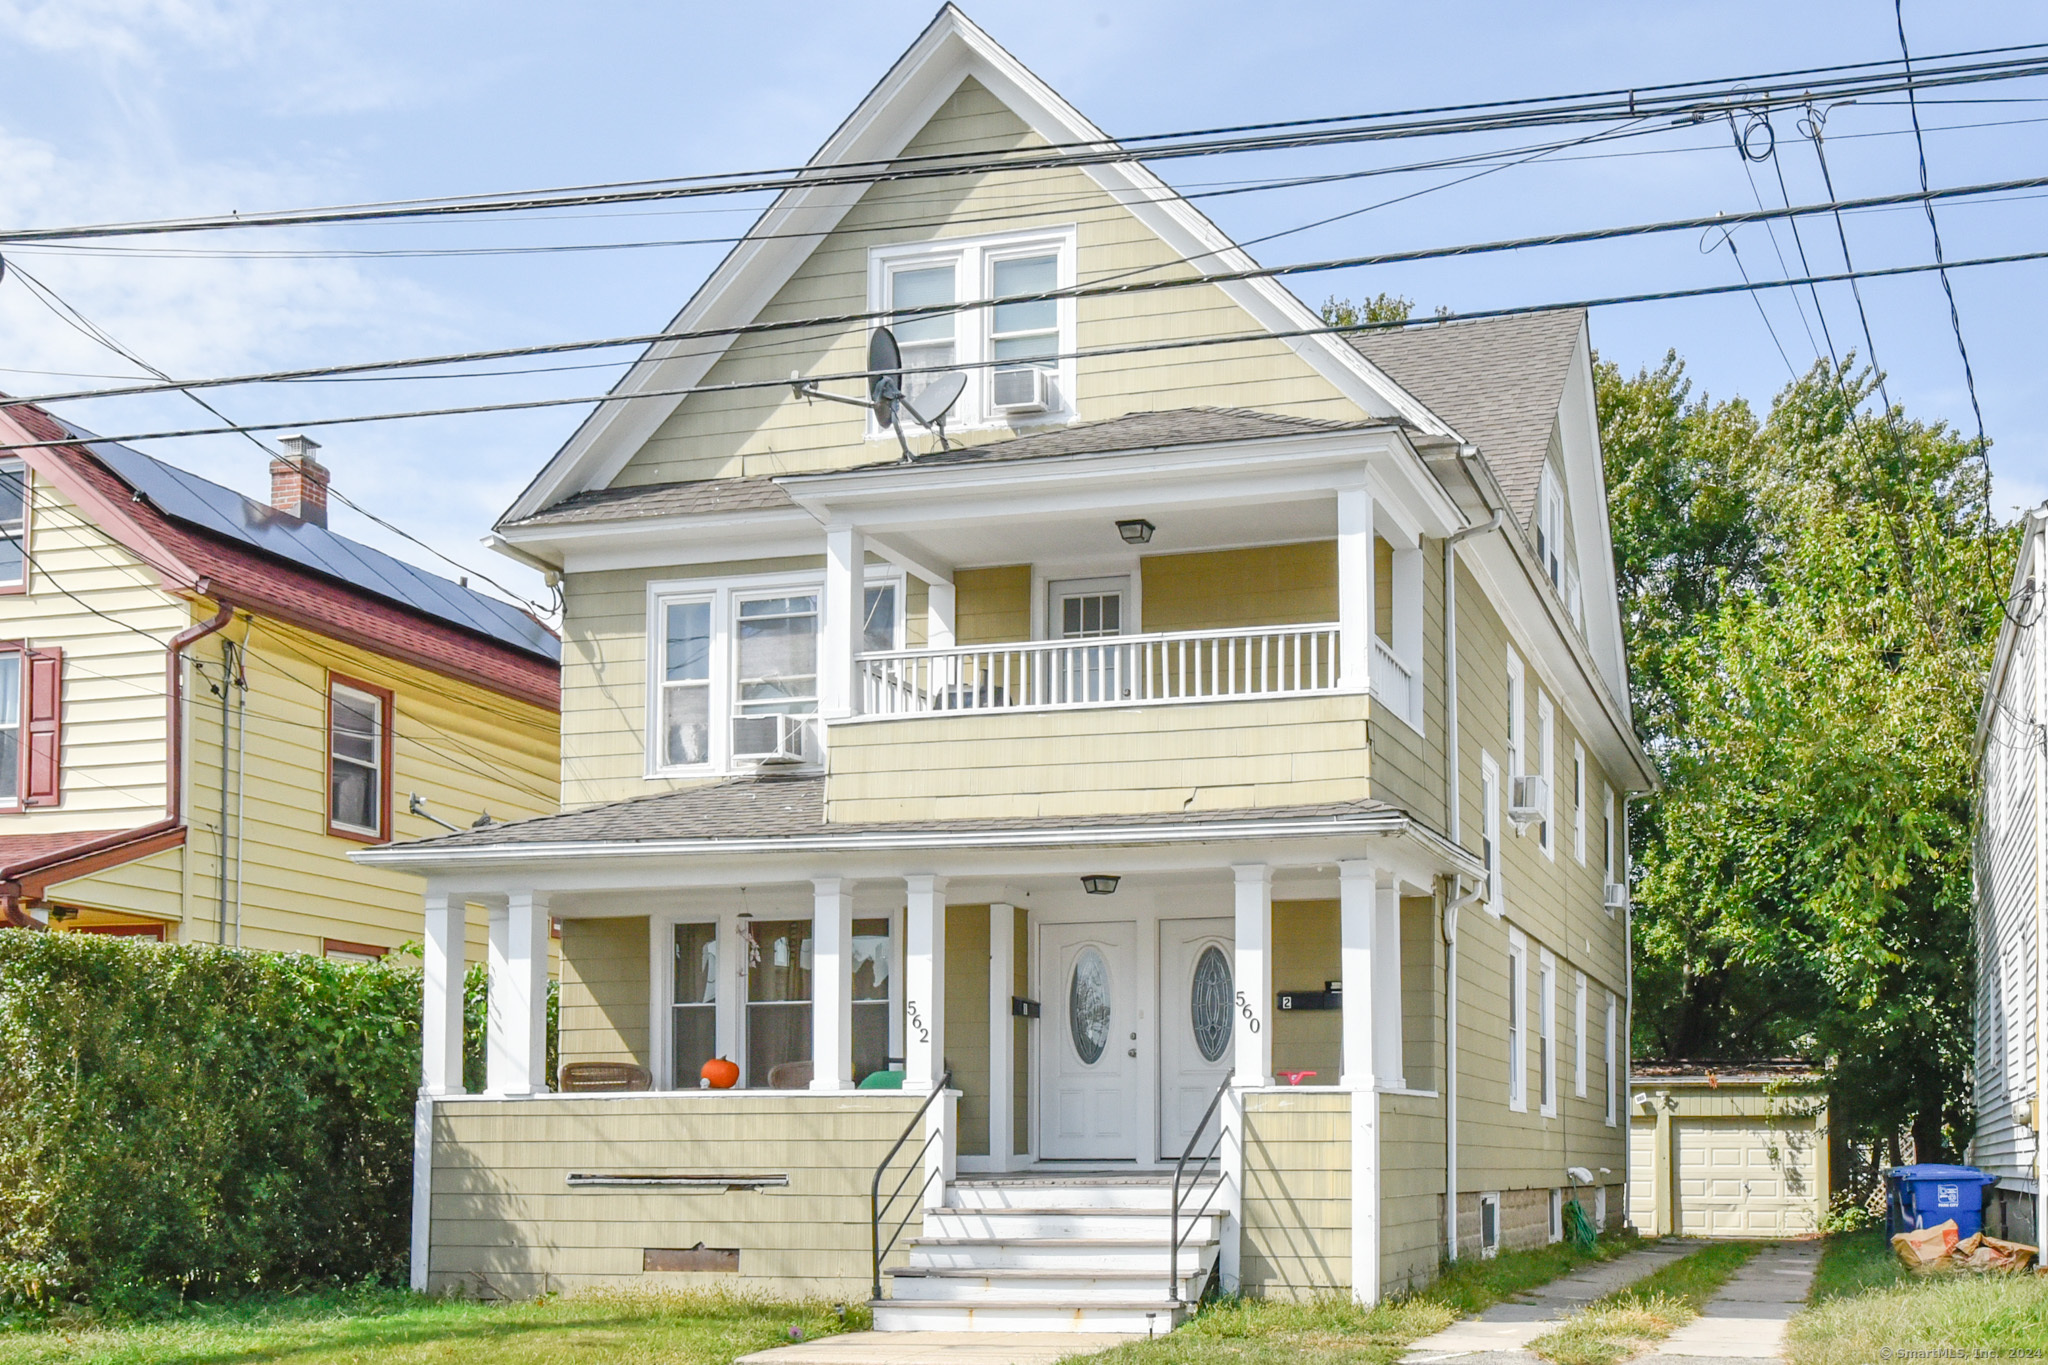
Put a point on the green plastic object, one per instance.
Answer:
(1578, 1227)
(882, 1080)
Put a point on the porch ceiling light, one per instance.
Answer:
(1100, 884)
(1136, 531)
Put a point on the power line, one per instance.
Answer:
(1083, 291)
(1702, 100)
(1955, 319)
(1136, 348)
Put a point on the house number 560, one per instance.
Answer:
(924, 1035)
(1244, 1007)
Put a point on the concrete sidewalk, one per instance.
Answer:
(1506, 1329)
(940, 1348)
(1746, 1320)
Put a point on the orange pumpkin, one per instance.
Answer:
(722, 1074)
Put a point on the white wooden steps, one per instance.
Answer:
(1052, 1253)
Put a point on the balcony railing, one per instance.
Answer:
(1392, 681)
(1120, 670)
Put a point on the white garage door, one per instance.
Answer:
(1742, 1178)
(1642, 1175)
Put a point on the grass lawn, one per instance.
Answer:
(1334, 1331)
(600, 1329)
(1629, 1320)
(393, 1326)
(1864, 1304)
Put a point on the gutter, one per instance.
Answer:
(28, 878)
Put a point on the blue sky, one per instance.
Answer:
(119, 109)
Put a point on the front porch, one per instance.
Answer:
(1085, 1036)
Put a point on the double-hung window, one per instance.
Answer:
(14, 486)
(1517, 985)
(1550, 528)
(10, 728)
(1579, 802)
(1612, 1078)
(359, 760)
(1516, 719)
(1546, 764)
(734, 675)
(1546, 1034)
(1489, 829)
(1579, 1039)
(1017, 355)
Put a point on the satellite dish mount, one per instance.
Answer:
(885, 396)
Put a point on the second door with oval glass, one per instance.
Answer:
(1197, 1017)
(1088, 1055)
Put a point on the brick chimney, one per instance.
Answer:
(298, 482)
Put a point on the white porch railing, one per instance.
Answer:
(1201, 665)
(1392, 681)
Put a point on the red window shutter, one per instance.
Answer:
(42, 728)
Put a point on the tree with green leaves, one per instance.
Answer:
(1811, 601)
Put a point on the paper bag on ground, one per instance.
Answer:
(1928, 1248)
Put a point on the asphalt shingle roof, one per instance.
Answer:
(1497, 380)
(771, 807)
(1143, 431)
(700, 498)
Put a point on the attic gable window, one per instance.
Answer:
(14, 478)
(1010, 352)
(1550, 529)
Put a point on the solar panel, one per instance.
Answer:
(223, 512)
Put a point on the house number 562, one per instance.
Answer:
(924, 1035)
(1244, 1007)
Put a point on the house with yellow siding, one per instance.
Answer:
(1162, 831)
(208, 702)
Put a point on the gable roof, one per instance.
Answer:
(1499, 381)
(951, 49)
(202, 539)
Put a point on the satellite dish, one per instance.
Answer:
(885, 375)
(936, 399)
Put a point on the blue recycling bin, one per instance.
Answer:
(1928, 1195)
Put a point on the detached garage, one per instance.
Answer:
(1727, 1151)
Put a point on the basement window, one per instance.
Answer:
(1489, 1224)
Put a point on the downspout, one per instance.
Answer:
(227, 672)
(1454, 902)
(241, 757)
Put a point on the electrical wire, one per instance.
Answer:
(1813, 126)
(1136, 348)
(1706, 100)
(1955, 319)
(1079, 291)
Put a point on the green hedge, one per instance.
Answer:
(192, 1119)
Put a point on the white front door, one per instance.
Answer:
(1088, 1043)
(1195, 1015)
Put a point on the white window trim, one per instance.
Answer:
(1550, 528)
(724, 595)
(1613, 1071)
(1546, 760)
(1518, 1022)
(18, 469)
(974, 262)
(1489, 825)
(1546, 1032)
(1579, 1039)
(661, 1029)
(1607, 838)
(1405, 594)
(1517, 722)
(1488, 1250)
(381, 782)
(1579, 802)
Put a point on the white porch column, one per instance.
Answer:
(1002, 1034)
(1354, 586)
(831, 984)
(1252, 1034)
(924, 985)
(840, 631)
(938, 616)
(1388, 1063)
(518, 1013)
(446, 949)
(1358, 915)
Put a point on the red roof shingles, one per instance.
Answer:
(204, 565)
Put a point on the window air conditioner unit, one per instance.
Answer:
(1616, 897)
(773, 741)
(1528, 798)
(1024, 389)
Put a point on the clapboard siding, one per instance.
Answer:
(1297, 1193)
(1200, 756)
(1411, 1190)
(764, 431)
(506, 1224)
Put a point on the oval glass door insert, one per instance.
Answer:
(1088, 1005)
(1209, 1003)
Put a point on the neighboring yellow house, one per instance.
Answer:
(207, 703)
(1219, 750)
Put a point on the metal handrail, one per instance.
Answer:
(877, 1206)
(1174, 1236)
